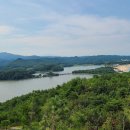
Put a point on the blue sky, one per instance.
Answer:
(65, 27)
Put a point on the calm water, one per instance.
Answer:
(10, 89)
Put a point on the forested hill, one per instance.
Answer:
(7, 59)
(100, 103)
(68, 61)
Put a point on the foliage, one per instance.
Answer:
(99, 103)
(16, 74)
(101, 70)
(22, 72)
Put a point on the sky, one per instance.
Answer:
(65, 27)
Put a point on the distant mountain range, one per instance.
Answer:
(7, 58)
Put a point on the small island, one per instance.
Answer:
(50, 74)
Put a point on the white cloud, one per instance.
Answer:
(75, 35)
(89, 25)
(4, 29)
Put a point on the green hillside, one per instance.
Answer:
(17, 61)
(100, 103)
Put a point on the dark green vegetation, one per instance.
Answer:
(10, 60)
(36, 65)
(25, 73)
(100, 103)
(102, 70)
(16, 74)
(10, 63)
(50, 74)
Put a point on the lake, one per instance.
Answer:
(10, 89)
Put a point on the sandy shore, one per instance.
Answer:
(122, 68)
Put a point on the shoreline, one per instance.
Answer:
(122, 68)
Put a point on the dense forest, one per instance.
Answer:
(18, 73)
(101, 70)
(99, 103)
(11, 60)
(26, 64)
(36, 65)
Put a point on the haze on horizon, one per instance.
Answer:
(65, 27)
